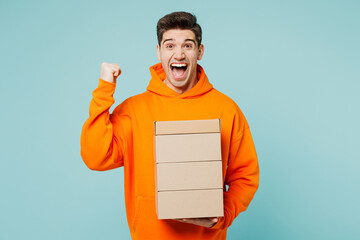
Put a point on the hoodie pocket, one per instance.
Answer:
(145, 214)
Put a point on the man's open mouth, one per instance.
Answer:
(178, 70)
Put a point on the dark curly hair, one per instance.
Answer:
(178, 20)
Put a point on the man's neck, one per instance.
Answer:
(183, 89)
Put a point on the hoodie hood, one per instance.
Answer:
(158, 86)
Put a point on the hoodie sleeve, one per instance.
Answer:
(242, 174)
(103, 136)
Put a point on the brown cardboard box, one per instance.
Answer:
(188, 147)
(190, 204)
(187, 126)
(188, 169)
(188, 175)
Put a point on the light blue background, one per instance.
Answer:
(292, 67)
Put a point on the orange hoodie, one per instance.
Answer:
(125, 138)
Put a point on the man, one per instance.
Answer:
(178, 90)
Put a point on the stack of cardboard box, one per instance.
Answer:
(188, 169)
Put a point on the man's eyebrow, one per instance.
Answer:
(191, 40)
(186, 40)
(169, 39)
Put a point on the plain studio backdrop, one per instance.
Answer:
(291, 66)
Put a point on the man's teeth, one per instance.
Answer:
(178, 65)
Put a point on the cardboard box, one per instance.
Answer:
(188, 175)
(190, 204)
(188, 169)
(188, 147)
(187, 126)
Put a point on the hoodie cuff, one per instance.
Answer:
(103, 94)
(103, 82)
(105, 88)
(221, 224)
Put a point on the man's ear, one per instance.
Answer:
(201, 52)
(158, 52)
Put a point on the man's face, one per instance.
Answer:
(179, 53)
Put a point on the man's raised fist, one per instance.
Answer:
(110, 71)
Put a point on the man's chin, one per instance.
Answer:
(179, 83)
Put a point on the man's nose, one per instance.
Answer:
(179, 54)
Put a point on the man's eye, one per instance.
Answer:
(188, 46)
(169, 46)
